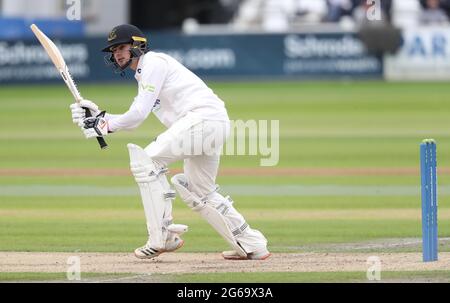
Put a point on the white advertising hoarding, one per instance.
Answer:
(424, 55)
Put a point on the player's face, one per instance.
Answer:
(121, 53)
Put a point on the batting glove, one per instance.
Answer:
(95, 126)
(95, 111)
(78, 114)
(78, 111)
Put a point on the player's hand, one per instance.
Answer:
(95, 126)
(95, 111)
(79, 113)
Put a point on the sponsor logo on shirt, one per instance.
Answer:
(148, 87)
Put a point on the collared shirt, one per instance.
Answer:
(170, 91)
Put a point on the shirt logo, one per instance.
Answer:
(156, 106)
(148, 87)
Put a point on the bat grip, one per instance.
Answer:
(101, 141)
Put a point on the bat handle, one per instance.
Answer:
(101, 141)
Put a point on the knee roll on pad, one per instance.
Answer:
(179, 181)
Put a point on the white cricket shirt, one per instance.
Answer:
(169, 90)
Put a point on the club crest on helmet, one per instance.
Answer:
(112, 35)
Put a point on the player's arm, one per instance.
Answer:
(153, 77)
(103, 123)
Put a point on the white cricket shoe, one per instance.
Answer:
(256, 255)
(147, 252)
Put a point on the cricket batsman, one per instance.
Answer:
(197, 127)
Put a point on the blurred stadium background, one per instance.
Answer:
(238, 38)
(355, 84)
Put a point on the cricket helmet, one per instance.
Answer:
(125, 34)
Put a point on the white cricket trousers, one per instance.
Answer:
(199, 142)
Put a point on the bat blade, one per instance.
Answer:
(58, 60)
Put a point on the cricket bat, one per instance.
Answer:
(58, 60)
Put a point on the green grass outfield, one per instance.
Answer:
(324, 126)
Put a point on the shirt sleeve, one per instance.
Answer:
(154, 73)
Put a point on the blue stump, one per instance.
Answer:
(429, 200)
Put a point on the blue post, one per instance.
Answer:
(429, 200)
